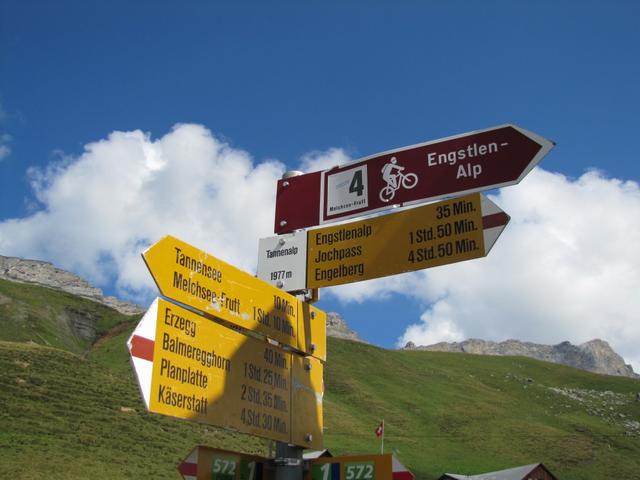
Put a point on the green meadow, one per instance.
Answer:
(70, 409)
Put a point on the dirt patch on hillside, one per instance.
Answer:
(114, 331)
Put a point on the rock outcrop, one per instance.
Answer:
(595, 356)
(47, 275)
(337, 327)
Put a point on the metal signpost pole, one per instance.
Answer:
(288, 459)
(288, 462)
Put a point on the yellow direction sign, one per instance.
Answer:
(307, 389)
(193, 368)
(428, 236)
(356, 467)
(195, 278)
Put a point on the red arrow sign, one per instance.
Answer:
(471, 162)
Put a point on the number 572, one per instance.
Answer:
(359, 471)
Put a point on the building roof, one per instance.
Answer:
(316, 454)
(517, 473)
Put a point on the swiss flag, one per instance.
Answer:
(380, 429)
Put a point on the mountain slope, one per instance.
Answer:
(65, 417)
(469, 414)
(46, 274)
(595, 356)
(79, 415)
(52, 317)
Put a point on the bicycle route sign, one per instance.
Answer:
(426, 236)
(467, 163)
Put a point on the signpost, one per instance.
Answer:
(249, 357)
(356, 467)
(193, 368)
(466, 163)
(442, 233)
(198, 279)
(205, 463)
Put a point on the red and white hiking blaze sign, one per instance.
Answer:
(471, 162)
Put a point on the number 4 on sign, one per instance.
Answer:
(357, 185)
(347, 190)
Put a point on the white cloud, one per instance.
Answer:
(5, 138)
(566, 268)
(323, 160)
(103, 208)
(5, 149)
(441, 323)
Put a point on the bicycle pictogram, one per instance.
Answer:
(392, 174)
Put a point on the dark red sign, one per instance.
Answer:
(471, 162)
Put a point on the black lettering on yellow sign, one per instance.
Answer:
(338, 254)
(168, 396)
(341, 271)
(413, 239)
(207, 358)
(198, 362)
(193, 287)
(362, 231)
(183, 375)
(181, 323)
(195, 278)
(197, 266)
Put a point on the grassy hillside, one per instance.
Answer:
(45, 316)
(447, 412)
(74, 411)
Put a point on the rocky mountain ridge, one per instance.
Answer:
(46, 274)
(337, 327)
(595, 355)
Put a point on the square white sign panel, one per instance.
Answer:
(282, 261)
(347, 190)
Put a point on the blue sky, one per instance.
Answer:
(271, 86)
